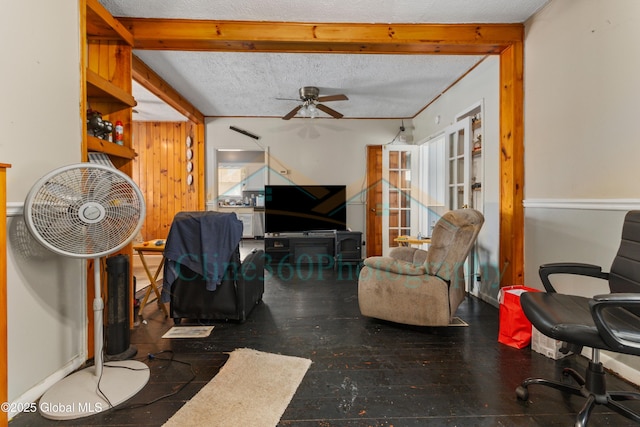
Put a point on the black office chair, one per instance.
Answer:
(605, 322)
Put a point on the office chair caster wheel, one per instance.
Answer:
(522, 393)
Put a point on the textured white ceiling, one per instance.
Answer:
(247, 84)
(371, 11)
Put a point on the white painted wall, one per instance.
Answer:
(41, 130)
(581, 146)
(313, 151)
(582, 88)
(481, 84)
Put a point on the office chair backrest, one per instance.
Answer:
(451, 241)
(624, 275)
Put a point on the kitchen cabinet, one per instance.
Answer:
(244, 214)
(247, 224)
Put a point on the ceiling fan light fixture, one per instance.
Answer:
(309, 109)
(313, 111)
(312, 104)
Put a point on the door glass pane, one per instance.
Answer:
(394, 180)
(405, 201)
(405, 162)
(406, 219)
(452, 172)
(393, 219)
(393, 160)
(394, 203)
(393, 234)
(460, 170)
(406, 179)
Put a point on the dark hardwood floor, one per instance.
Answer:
(365, 372)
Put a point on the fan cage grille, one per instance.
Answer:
(82, 211)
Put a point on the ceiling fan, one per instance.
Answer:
(311, 103)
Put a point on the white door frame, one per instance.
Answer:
(400, 184)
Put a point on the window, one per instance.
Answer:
(230, 180)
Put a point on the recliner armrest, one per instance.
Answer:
(626, 332)
(577, 268)
(391, 265)
(409, 254)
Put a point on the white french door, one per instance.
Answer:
(458, 155)
(400, 201)
(458, 164)
(447, 178)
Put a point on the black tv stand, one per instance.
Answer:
(314, 247)
(322, 233)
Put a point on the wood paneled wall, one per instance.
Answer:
(160, 170)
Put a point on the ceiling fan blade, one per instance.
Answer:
(329, 111)
(292, 113)
(328, 98)
(287, 99)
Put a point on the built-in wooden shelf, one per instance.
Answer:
(110, 148)
(100, 24)
(101, 90)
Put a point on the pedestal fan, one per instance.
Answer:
(88, 211)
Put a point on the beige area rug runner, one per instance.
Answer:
(253, 389)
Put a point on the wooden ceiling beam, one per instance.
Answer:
(156, 85)
(238, 36)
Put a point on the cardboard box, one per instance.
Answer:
(543, 344)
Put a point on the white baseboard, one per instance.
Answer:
(620, 369)
(33, 394)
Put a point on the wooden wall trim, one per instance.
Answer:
(156, 85)
(4, 383)
(199, 133)
(512, 165)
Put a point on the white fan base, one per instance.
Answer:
(77, 395)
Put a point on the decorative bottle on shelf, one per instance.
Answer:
(119, 133)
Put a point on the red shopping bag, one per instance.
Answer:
(515, 328)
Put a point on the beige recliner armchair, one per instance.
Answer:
(419, 287)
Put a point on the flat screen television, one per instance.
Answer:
(305, 208)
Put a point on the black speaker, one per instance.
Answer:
(117, 332)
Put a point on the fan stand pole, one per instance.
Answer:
(97, 388)
(98, 319)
